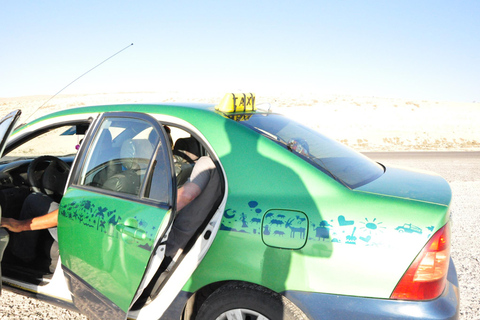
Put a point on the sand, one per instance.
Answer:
(364, 123)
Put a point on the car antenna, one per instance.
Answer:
(56, 94)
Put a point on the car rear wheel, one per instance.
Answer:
(237, 301)
(241, 314)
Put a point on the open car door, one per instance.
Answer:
(117, 207)
(6, 127)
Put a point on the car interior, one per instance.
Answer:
(25, 170)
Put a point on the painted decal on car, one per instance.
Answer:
(295, 226)
(104, 220)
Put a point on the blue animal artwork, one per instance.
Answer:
(295, 230)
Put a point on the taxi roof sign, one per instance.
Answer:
(237, 102)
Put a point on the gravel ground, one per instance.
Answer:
(462, 170)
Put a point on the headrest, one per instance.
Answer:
(105, 139)
(188, 145)
(135, 149)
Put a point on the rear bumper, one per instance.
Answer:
(328, 306)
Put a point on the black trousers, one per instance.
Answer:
(25, 245)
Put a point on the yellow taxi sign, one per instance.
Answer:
(237, 102)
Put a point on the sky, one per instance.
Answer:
(428, 50)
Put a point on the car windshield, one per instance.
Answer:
(339, 161)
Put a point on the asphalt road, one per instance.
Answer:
(462, 171)
(453, 166)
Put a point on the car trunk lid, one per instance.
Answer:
(411, 184)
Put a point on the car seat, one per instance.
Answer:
(194, 216)
(186, 151)
(187, 148)
(135, 154)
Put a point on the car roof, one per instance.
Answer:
(231, 104)
(152, 108)
(133, 107)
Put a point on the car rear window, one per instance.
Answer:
(337, 160)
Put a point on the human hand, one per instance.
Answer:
(12, 224)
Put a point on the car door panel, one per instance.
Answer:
(100, 245)
(106, 237)
(6, 127)
(4, 237)
(7, 124)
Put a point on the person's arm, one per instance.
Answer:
(49, 220)
(186, 194)
(196, 183)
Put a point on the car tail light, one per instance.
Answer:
(427, 275)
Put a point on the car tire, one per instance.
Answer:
(240, 300)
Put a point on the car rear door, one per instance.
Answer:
(6, 127)
(117, 207)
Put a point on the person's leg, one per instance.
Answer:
(24, 244)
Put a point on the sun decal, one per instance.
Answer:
(372, 226)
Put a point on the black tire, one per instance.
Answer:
(249, 300)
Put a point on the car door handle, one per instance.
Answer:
(133, 232)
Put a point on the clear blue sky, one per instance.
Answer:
(409, 49)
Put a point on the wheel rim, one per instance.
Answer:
(241, 314)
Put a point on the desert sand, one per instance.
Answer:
(363, 123)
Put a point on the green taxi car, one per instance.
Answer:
(288, 224)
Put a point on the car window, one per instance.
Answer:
(186, 150)
(119, 155)
(58, 142)
(348, 166)
(159, 186)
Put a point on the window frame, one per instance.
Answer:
(87, 148)
(31, 135)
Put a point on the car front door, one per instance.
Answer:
(6, 127)
(117, 207)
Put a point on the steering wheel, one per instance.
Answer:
(52, 181)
